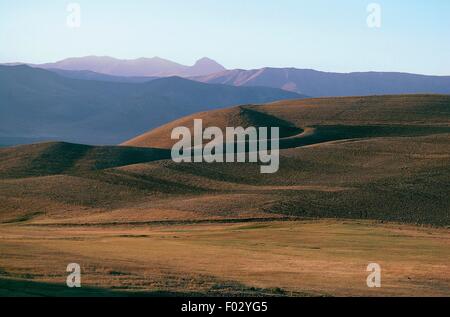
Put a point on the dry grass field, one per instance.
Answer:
(140, 224)
(289, 258)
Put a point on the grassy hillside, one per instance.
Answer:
(312, 121)
(241, 116)
(383, 158)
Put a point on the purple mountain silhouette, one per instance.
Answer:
(145, 67)
(325, 84)
(301, 81)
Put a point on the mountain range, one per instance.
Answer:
(140, 67)
(104, 100)
(37, 104)
(325, 84)
(303, 81)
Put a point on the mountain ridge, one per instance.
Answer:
(305, 81)
(139, 67)
(331, 84)
(42, 105)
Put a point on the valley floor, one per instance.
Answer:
(281, 258)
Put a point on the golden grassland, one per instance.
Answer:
(282, 258)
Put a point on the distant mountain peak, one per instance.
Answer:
(206, 60)
(205, 66)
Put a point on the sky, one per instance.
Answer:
(328, 35)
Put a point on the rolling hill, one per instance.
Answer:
(325, 84)
(37, 104)
(312, 121)
(384, 158)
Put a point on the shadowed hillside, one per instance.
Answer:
(57, 158)
(36, 104)
(383, 158)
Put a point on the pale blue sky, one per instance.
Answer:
(321, 34)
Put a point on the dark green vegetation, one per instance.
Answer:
(36, 104)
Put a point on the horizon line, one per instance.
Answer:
(15, 63)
